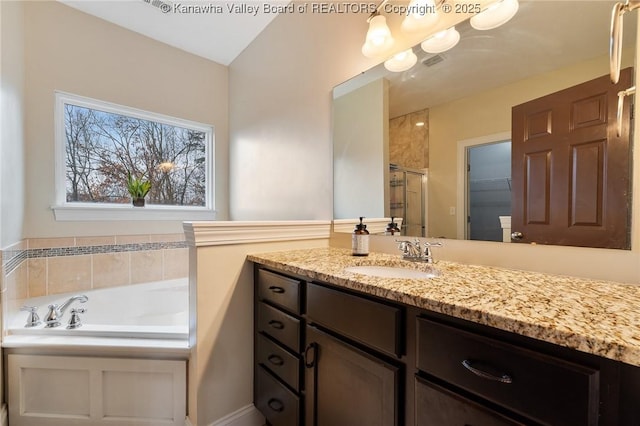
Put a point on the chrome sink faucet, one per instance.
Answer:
(56, 312)
(416, 251)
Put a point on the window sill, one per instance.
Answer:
(92, 212)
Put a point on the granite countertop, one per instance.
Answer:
(597, 317)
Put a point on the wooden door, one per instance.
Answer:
(346, 386)
(570, 171)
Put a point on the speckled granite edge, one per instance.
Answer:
(597, 317)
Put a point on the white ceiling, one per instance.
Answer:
(220, 37)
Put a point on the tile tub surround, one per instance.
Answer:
(57, 265)
(597, 317)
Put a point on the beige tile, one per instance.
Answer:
(110, 269)
(146, 266)
(17, 283)
(166, 238)
(95, 241)
(68, 273)
(10, 292)
(37, 277)
(176, 263)
(20, 282)
(132, 239)
(35, 243)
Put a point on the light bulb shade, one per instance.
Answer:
(496, 14)
(442, 41)
(401, 61)
(421, 16)
(379, 39)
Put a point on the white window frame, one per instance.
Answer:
(78, 211)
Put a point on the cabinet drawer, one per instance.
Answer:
(279, 361)
(374, 324)
(547, 389)
(437, 406)
(279, 325)
(279, 290)
(279, 405)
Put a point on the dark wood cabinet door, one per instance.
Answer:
(570, 168)
(346, 386)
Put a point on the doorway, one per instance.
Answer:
(488, 189)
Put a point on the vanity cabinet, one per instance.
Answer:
(329, 356)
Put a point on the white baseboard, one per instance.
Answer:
(246, 416)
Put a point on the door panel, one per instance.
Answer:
(571, 172)
(346, 386)
(587, 172)
(538, 187)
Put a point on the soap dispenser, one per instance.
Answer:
(360, 240)
(392, 228)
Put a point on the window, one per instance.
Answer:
(99, 144)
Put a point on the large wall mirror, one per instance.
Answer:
(433, 144)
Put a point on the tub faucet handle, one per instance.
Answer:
(32, 319)
(75, 321)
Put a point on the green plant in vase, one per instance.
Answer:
(138, 189)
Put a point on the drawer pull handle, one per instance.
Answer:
(310, 354)
(276, 405)
(502, 378)
(276, 289)
(278, 325)
(275, 360)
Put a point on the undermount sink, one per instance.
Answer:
(391, 272)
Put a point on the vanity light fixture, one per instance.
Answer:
(379, 40)
(495, 14)
(401, 61)
(421, 16)
(441, 41)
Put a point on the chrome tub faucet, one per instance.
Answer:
(57, 311)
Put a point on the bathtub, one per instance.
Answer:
(130, 355)
(158, 310)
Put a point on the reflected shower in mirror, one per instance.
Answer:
(430, 117)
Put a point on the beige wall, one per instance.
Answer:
(480, 115)
(12, 182)
(221, 363)
(73, 52)
(280, 116)
(361, 152)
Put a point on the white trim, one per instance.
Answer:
(461, 187)
(117, 212)
(65, 211)
(246, 416)
(200, 234)
(374, 226)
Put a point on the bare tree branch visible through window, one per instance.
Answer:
(102, 148)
